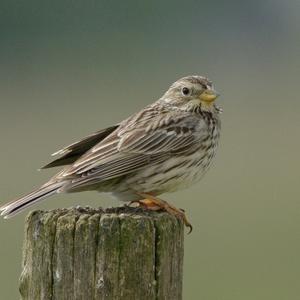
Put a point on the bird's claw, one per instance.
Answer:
(152, 203)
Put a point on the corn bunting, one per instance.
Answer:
(167, 146)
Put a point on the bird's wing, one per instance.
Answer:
(72, 152)
(131, 148)
(164, 140)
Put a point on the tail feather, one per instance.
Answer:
(16, 206)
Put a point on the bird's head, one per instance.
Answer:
(191, 93)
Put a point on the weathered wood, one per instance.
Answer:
(83, 253)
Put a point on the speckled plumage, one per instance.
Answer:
(167, 146)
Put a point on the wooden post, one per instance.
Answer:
(117, 253)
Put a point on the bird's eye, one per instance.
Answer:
(185, 91)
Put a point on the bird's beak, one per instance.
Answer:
(209, 96)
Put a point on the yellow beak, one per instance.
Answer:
(209, 96)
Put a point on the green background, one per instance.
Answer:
(69, 68)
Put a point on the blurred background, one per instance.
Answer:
(69, 68)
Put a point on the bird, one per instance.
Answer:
(167, 146)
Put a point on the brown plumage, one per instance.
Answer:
(166, 146)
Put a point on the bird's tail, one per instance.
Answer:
(16, 206)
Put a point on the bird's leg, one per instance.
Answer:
(153, 203)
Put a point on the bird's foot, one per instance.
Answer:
(153, 203)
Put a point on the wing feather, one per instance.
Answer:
(126, 151)
(159, 141)
(72, 152)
